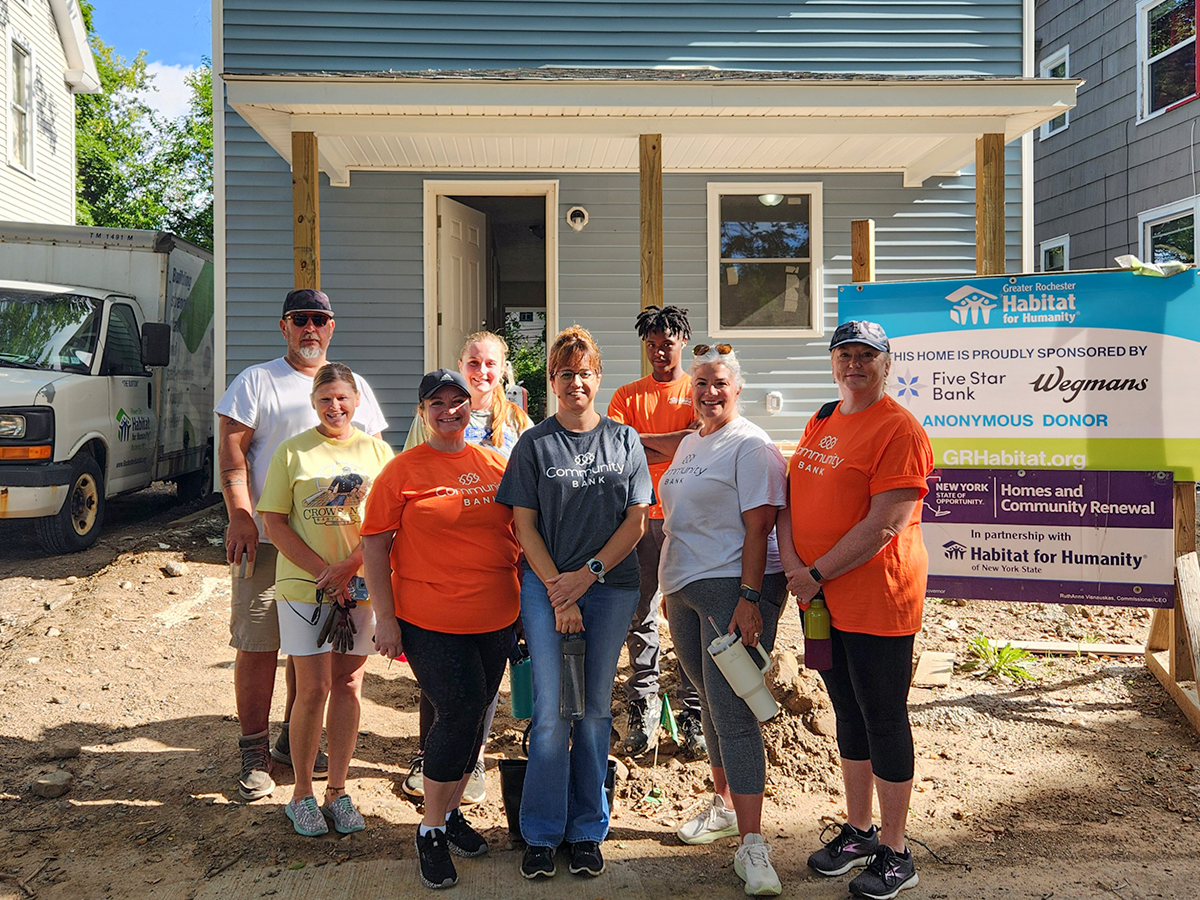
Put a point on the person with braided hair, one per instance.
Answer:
(659, 408)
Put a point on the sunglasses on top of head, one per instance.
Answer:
(722, 349)
(302, 319)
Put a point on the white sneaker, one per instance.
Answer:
(713, 822)
(476, 789)
(752, 862)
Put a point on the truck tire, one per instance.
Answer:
(77, 524)
(194, 485)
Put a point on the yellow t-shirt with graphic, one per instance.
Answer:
(321, 485)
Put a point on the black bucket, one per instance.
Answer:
(512, 785)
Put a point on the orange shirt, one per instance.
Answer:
(454, 558)
(654, 407)
(842, 462)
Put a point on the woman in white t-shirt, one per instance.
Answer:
(720, 499)
(312, 506)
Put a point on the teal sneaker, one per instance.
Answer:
(306, 817)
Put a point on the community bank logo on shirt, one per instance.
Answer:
(679, 401)
(469, 478)
(340, 492)
(828, 442)
(585, 459)
(587, 471)
(473, 492)
(678, 473)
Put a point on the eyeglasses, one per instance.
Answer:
(566, 376)
(723, 349)
(302, 319)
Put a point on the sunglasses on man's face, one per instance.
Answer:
(302, 319)
(723, 349)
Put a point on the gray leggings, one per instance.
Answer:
(734, 738)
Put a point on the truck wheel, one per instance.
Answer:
(195, 485)
(77, 524)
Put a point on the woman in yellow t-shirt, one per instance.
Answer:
(312, 509)
(441, 563)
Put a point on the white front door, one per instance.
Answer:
(462, 268)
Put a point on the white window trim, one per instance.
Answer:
(1063, 241)
(1143, 65)
(1061, 55)
(16, 39)
(816, 252)
(1162, 214)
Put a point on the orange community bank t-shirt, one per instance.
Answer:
(841, 463)
(454, 557)
(654, 407)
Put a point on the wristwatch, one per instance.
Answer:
(596, 567)
(749, 594)
(816, 575)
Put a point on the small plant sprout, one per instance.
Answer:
(996, 662)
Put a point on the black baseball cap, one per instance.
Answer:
(860, 332)
(435, 379)
(305, 299)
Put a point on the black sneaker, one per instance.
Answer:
(887, 874)
(849, 848)
(437, 868)
(691, 735)
(282, 752)
(586, 858)
(463, 839)
(538, 862)
(643, 723)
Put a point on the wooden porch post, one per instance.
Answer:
(862, 250)
(650, 193)
(989, 205)
(306, 220)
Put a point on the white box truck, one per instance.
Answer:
(106, 372)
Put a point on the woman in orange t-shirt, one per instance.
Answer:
(440, 552)
(853, 529)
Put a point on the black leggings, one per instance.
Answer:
(460, 673)
(868, 685)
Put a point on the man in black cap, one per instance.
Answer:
(263, 406)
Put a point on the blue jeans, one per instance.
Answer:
(564, 781)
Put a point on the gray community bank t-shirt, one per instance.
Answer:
(581, 484)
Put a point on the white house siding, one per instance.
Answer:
(48, 193)
(1093, 179)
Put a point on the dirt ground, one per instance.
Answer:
(1082, 783)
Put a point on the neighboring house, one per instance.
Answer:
(46, 60)
(1117, 174)
(549, 140)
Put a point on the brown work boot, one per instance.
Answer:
(255, 781)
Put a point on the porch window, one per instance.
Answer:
(20, 132)
(1056, 65)
(765, 261)
(1166, 54)
(1056, 254)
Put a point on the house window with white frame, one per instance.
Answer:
(19, 123)
(1166, 54)
(765, 262)
(1056, 254)
(1056, 65)
(1170, 238)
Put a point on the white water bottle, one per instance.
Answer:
(743, 674)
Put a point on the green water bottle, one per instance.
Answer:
(818, 646)
(520, 682)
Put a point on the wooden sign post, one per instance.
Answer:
(1173, 648)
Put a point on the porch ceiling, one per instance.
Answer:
(916, 126)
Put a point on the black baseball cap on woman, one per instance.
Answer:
(435, 379)
(860, 332)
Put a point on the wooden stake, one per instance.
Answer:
(989, 205)
(862, 250)
(651, 215)
(306, 227)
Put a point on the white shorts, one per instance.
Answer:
(298, 636)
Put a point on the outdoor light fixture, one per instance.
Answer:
(770, 199)
(577, 217)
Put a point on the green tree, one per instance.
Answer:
(134, 168)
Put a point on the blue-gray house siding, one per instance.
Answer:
(371, 231)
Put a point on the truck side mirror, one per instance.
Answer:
(156, 344)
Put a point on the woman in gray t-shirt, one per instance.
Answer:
(580, 488)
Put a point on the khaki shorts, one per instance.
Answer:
(253, 623)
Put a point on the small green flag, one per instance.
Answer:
(667, 720)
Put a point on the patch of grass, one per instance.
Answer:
(1003, 662)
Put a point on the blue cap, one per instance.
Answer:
(860, 332)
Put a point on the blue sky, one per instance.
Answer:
(175, 36)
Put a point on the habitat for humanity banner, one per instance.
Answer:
(1054, 371)
(1051, 537)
